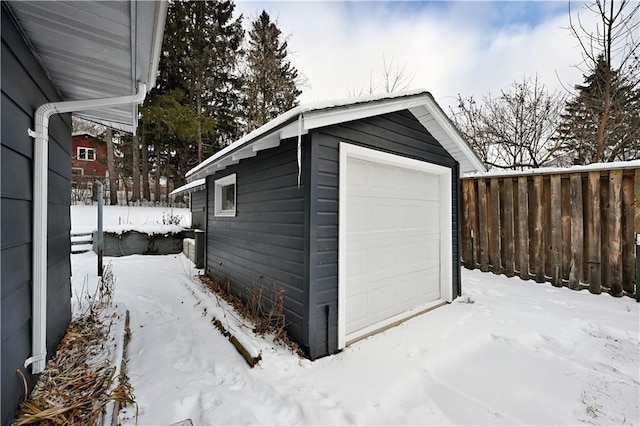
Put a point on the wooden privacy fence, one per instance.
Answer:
(574, 228)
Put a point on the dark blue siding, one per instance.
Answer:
(24, 88)
(198, 202)
(264, 244)
(397, 133)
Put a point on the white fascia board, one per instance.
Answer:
(323, 118)
(435, 121)
(193, 186)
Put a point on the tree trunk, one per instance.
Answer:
(146, 191)
(111, 167)
(199, 131)
(156, 194)
(135, 196)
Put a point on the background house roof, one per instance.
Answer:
(95, 49)
(301, 119)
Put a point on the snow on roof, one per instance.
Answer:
(196, 185)
(633, 164)
(319, 114)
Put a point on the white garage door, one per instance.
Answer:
(391, 234)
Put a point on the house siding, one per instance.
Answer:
(24, 88)
(198, 203)
(396, 133)
(264, 244)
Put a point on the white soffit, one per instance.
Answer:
(96, 49)
(420, 103)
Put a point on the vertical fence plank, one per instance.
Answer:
(549, 256)
(523, 227)
(604, 231)
(473, 223)
(615, 231)
(628, 240)
(576, 231)
(496, 231)
(566, 228)
(509, 236)
(537, 257)
(556, 230)
(483, 237)
(592, 217)
(467, 254)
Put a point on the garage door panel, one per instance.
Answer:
(391, 240)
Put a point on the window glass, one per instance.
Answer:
(225, 196)
(86, 154)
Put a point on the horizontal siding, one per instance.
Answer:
(198, 200)
(24, 88)
(397, 133)
(264, 243)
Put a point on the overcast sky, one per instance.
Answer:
(448, 48)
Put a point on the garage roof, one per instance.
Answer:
(93, 49)
(301, 119)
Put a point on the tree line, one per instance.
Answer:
(218, 81)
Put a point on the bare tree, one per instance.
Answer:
(393, 78)
(514, 130)
(602, 121)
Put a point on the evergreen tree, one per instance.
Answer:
(200, 55)
(601, 122)
(270, 79)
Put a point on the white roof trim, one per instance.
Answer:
(322, 114)
(196, 185)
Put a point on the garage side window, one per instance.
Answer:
(225, 196)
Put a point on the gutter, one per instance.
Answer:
(40, 195)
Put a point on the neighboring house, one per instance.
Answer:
(89, 156)
(93, 59)
(351, 207)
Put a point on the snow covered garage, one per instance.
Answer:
(351, 207)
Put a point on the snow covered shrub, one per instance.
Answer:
(171, 218)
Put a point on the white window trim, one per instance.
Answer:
(446, 249)
(218, 184)
(86, 148)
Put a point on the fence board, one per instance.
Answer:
(605, 267)
(523, 227)
(483, 231)
(537, 255)
(467, 249)
(615, 231)
(576, 232)
(566, 230)
(473, 224)
(593, 222)
(556, 229)
(496, 231)
(549, 257)
(628, 248)
(509, 236)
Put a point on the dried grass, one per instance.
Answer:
(265, 313)
(78, 382)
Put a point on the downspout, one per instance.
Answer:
(41, 167)
(299, 150)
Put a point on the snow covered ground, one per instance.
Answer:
(521, 353)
